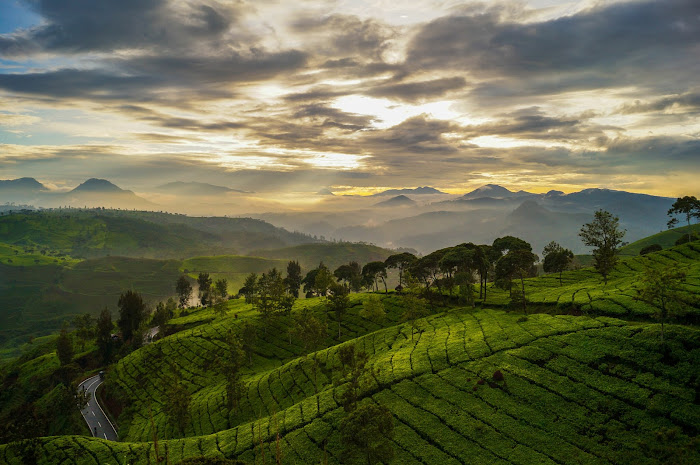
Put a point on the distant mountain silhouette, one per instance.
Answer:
(493, 191)
(98, 185)
(194, 188)
(417, 191)
(398, 201)
(22, 184)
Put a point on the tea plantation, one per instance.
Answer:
(582, 379)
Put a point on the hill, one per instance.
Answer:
(194, 188)
(464, 384)
(21, 185)
(665, 239)
(417, 191)
(398, 201)
(332, 254)
(100, 232)
(230, 267)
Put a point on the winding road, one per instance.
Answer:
(95, 417)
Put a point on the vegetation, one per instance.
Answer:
(430, 374)
(604, 234)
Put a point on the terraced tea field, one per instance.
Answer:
(575, 390)
(585, 290)
(469, 385)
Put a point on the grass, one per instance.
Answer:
(597, 388)
(231, 267)
(333, 255)
(665, 239)
(585, 289)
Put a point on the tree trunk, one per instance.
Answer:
(560, 282)
(522, 283)
(339, 329)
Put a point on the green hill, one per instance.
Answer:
(98, 233)
(230, 267)
(665, 239)
(332, 254)
(36, 300)
(574, 388)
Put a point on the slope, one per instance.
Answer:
(575, 389)
(332, 254)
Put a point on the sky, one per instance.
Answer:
(292, 98)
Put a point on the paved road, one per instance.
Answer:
(148, 337)
(99, 424)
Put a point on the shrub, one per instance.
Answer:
(498, 376)
(684, 239)
(650, 248)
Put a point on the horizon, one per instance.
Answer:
(290, 102)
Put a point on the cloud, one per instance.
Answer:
(625, 43)
(418, 91)
(81, 26)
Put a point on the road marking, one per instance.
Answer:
(99, 424)
(105, 435)
(93, 413)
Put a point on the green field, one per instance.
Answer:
(586, 378)
(576, 389)
(333, 255)
(230, 267)
(665, 239)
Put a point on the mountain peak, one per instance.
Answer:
(97, 185)
(491, 190)
(398, 201)
(425, 190)
(29, 184)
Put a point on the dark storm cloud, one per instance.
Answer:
(416, 91)
(105, 25)
(624, 43)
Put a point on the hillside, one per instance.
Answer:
(332, 254)
(230, 267)
(97, 233)
(665, 239)
(574, 389)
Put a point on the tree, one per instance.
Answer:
(373, 309)
(248, 336)
(367, 433)
(64, 347)
(322, 280)
(293, 279)
(661, 289)
(103, 333)
(221, 289)
(414, 309)
(132, 312)
(350, 274)
(604, 234)
(204, 282)
(688, 206)
(272, 298)
(84, 328)
(231, 364)
(374, 271)
(160, 316)
(250, 288)
(400, 261)
(337, 302)
(355, 373)
(183, 288)
(312, 332)
(177, 405)
(556, 259)
(516, 264)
